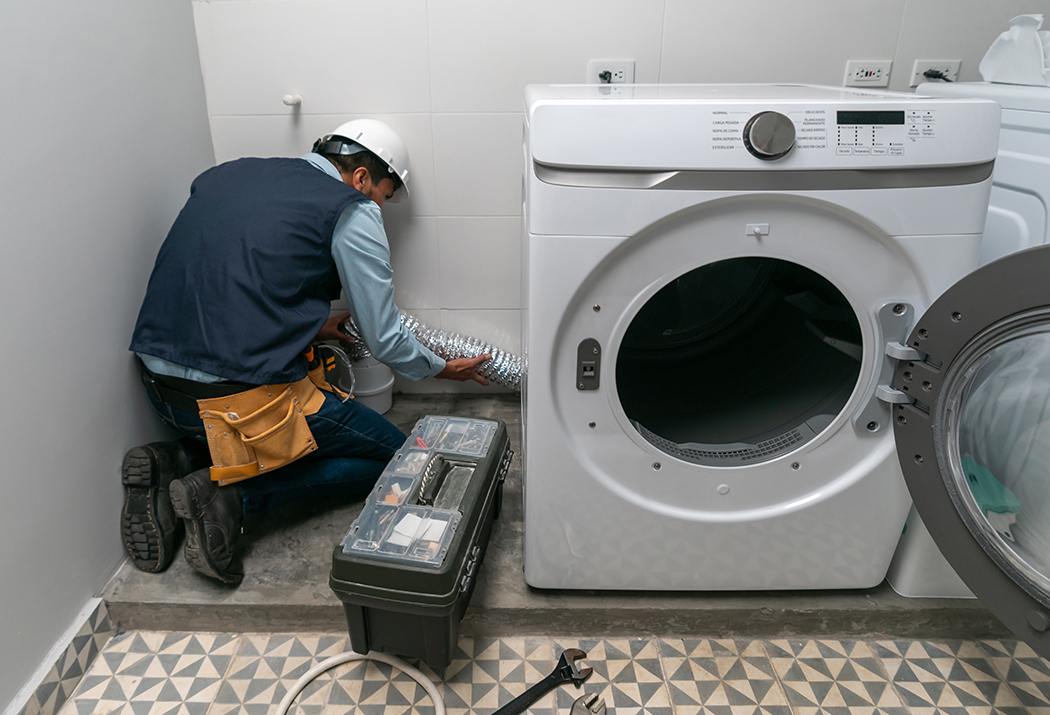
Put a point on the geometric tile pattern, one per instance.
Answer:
(950, 677)
(721, 677)
(264, 667)
(65, 675)
(487, 673)
(1027, 674)
(371, 688)
(628, 676)
(155, 674)
(149, 673)
(834, 677)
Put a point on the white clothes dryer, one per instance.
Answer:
(718, 283)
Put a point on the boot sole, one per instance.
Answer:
(184, 501)
(148, 548)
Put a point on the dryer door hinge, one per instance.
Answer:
(894, 319)
(893, 397)
(899, 351)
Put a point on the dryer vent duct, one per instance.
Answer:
(504, 369)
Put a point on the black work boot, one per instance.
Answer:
(148, 525)
(213, 522)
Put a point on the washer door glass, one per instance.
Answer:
(998, 448)
(739, 361)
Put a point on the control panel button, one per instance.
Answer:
(769, 135)
(843, 151)
(878, 151)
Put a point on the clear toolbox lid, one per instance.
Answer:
(393, 525)
(454, 435)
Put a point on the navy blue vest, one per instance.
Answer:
(245, 278)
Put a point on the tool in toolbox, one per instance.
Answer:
(567, 671)
(584, 705)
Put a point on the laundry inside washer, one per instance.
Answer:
(739, 361)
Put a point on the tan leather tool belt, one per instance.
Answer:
(261, 429)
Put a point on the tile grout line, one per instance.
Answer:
(765, 642)
(663, 671)
(890, 682)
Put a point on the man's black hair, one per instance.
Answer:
(376, 167)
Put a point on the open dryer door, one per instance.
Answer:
(972, 425)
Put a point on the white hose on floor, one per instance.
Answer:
(392, 661)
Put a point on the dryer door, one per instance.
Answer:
(973, 435)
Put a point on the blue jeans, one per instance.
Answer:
(354, 443)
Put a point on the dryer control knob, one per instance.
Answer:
(769, 135)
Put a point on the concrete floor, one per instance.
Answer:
(288, 556)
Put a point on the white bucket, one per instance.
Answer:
(373, 384)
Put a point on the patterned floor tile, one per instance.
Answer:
(372, 688)
(721, 677)
(627, 675)
(264, 668)
(1024, 671)
(833, 677)
(950, 677)
(65, 675)
(487, 673)
(147, 673)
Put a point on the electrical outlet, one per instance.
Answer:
(867, 73)
(610, 72)
(950, 68)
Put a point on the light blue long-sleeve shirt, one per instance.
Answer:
(362, 258)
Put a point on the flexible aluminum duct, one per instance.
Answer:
(503, 369)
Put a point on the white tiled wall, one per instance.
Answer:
(448, 76)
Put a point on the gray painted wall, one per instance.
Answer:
(103, 126)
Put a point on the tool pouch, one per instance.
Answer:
(259, 430)
(320, 380)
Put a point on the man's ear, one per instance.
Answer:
(358, 177)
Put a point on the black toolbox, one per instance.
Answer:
(407, 567)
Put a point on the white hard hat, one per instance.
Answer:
(379, 139)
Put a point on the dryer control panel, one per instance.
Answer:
(726, 127)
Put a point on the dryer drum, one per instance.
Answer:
(739, 361)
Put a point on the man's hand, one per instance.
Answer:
(330, 330)
(464, 369)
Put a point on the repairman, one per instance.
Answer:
(241, 288)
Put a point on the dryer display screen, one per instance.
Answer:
(739, 362)
(883, 117)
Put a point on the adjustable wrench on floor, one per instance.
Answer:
(566, 672)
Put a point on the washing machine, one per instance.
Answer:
(1017, 220)
(719, 283)
(1017, 212)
